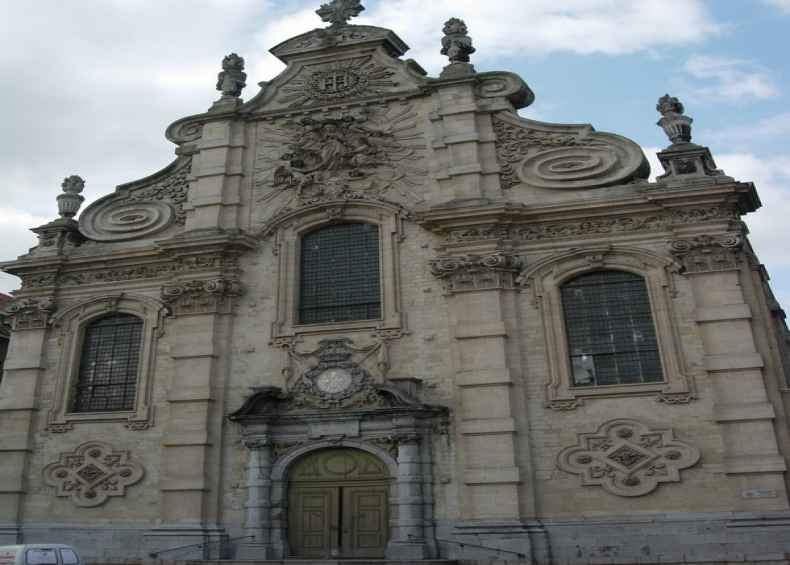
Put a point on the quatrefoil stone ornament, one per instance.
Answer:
(93, 473)
(338, 12)
(627, 458)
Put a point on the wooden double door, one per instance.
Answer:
(330, 518)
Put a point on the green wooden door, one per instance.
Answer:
(338, 505)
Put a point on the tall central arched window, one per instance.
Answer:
(339, 274)
(109, 363)
(610, 330)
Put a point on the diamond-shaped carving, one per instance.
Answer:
(93, 473)
(627, 458)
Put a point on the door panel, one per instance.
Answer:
(313, 521)
(365, 521)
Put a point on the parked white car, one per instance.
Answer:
(39, 554)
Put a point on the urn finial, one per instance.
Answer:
(70, 201)
(338, 12)
(232, 80)
(676, 125)
(457, 45)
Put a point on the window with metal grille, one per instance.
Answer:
(610, 330)
(339, 274)
(107, 379)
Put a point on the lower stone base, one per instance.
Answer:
(182, 542)
(10, 535)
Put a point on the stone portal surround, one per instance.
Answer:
(266, 515)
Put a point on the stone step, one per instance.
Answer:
(319, 562)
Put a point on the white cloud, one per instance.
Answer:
(15, 239)
(743, 135)
(711, 78)
(538, 27)
(781, 5)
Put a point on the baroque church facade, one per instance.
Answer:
(370, 313)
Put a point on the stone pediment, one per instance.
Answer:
(564, 156)
(341, 36)
(338, 76)
(268, 402)
(141, 208)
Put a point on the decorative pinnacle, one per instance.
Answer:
(338, 12)
(70, 201)
(676, 125)
(232, 80)
(456, 43)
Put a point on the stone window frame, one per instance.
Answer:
(288, 231)
(69, 327)
(544, 281)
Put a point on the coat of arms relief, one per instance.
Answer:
(376, 152)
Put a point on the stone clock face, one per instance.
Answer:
(333, 381)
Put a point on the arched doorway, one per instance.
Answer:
(338, 505)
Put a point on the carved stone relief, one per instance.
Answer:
(92, 474)
(339, 80)
(707, 253)
(123, 273)
(366, 154)
(475, 272)
(139, 209)
(336, 374)
(30, 313)
(563, 156)
(628, 458)
(201, 296)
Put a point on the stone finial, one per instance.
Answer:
(675, 124)
(457, 45)
(338, 12)
(70, 201)
(232, 79)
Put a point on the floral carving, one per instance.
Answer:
(457, 45)
(30, 313)
(474, 272)
(627, 458)
(707, 253)
(92, 474)
(563, 156)
(673, 122)
(70, 201)
(201, 296)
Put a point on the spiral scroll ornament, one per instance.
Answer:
(111, 222)
(564, 156)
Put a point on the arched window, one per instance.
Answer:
(610, 330)
(339, 274)
(109, 365)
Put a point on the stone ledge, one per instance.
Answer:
(487, 329)
(723, 313)
(484, 377)
(734, 361)
(488, 426)
(754, 464)
(743, 412)
(492, 475)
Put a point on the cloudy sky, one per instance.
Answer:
(90, 85)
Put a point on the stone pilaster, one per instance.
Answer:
(410, 542)
(741, 405)
(23, 368)
(257, 518)
(476, 286)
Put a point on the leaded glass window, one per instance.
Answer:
(610, 330)
(109, 361)
(339, 274)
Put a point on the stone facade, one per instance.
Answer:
(461, 388)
